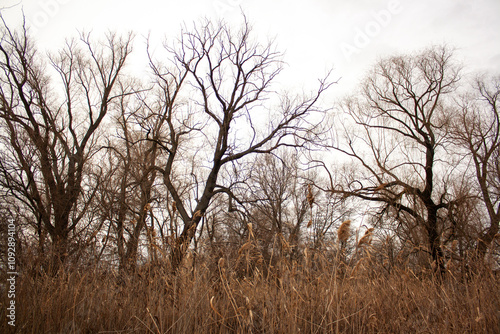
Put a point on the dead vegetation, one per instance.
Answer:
(244, 294)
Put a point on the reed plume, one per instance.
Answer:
(310, 196)
(366, 239)
(344, 231)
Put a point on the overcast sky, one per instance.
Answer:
(348, 36)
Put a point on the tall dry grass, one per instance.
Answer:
(229, 296)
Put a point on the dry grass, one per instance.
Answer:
(284, 298)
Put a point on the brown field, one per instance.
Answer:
(319, 295)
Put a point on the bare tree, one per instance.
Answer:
(51, 130)
(130, 190)
(400, 116)
(212, 101)
(279, 201)
(477, 129)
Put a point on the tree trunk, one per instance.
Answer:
(182, 243)
(59, 253)
(434, 241)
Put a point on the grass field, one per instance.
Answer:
(317, 295)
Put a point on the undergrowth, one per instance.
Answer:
(315, 295)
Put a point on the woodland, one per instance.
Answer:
(204, 197)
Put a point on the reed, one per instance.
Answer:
(289, 296)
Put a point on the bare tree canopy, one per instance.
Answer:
(401, 116)
(51, 125)
(228, 77)
(477, 129)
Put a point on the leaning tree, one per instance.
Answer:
(216, 100)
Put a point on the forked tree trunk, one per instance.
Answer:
(182, 243)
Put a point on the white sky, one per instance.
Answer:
(348, 36)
